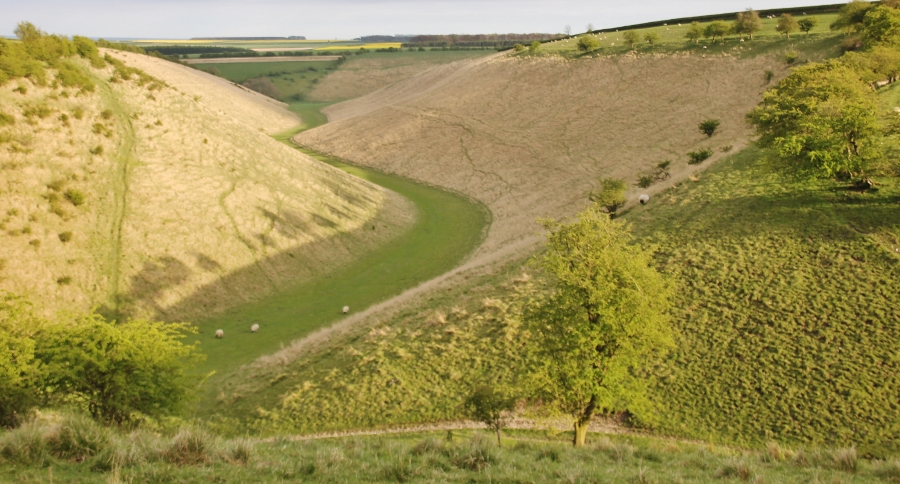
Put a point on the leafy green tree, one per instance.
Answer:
(518, 47)
(491, 407)
(587, 43)
(877, 64)
(850, 18)
(605, 316)
(18, 368)
(632, 37)
(717, 29)
(819, 121)
(787, 24)
(534, 47)
(881, 26)
(748, 23)
(118, 371)
(611, 195)
(808, 23)
(27, 32)
(652, 38)
(694, 32)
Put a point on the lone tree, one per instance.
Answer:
(632, 37)
(807, 23)
(534, 47)
(611, 195)
(850, 18)
(821, 120)
(709, 127)
(491, 407)
(717, 29)
(587, 43)
(694, 32)
(652, 38)
(747, 22)
(787, 24)
(605, 316)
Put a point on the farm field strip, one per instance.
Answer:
(261, 60)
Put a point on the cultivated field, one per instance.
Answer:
(139, 198)
(363, 74)
(262, 60)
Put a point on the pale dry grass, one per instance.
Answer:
(364, 74)
(530, 136)
(190, 191)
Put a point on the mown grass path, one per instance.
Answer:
(448, 227)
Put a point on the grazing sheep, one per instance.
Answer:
(254, 328)
(644, 199)
(220, 334)
(346, 309)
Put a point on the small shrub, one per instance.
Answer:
(845, 459)
(735, 470)
(37, 110)
(75, 196)
(645, 181)
(78, 112)
(769, 75)
(519, 48)
(726, 148)
(106, 114)
(240, 451)
(36, 243)
(77, 438)
(97, 150)
(57, 185)
(709, 127)
(190, 446)
(25, 445)
(611, 195)
(476, 456)
(697, 157)
(663, 165)
(64, 280)
(6, 119)
(26, 230)
(587, 43)
(71, 76)
(791, 56)
(21, 89)
(65, 236)
(97, 128)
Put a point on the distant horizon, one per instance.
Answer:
(348, 19)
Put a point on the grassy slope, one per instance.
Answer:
(362, 74)
(527, 456)
(447, 228)
(787, 314)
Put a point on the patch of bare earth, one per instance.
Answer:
(529, 137)
(190, 208)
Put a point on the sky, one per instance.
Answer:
(347, 19)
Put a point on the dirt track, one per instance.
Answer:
(530, 136)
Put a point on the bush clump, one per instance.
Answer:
(69, 75)
(6, 119)
(709, 127)
(699, 156)
(611, 195)
(76, 197)
(65, 236)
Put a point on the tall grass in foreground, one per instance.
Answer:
(73, 448)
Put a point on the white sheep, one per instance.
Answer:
(254, 328)
(220, 334)
(346, 309)
(644, 199)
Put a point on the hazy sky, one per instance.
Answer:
(330, 19)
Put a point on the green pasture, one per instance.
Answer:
(448, 227)
(672, 39)
(436, 456)
(254, 44)
(292, 79)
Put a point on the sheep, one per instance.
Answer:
(346, 309)
(220, 334)
(254, 328)
(644, 199)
